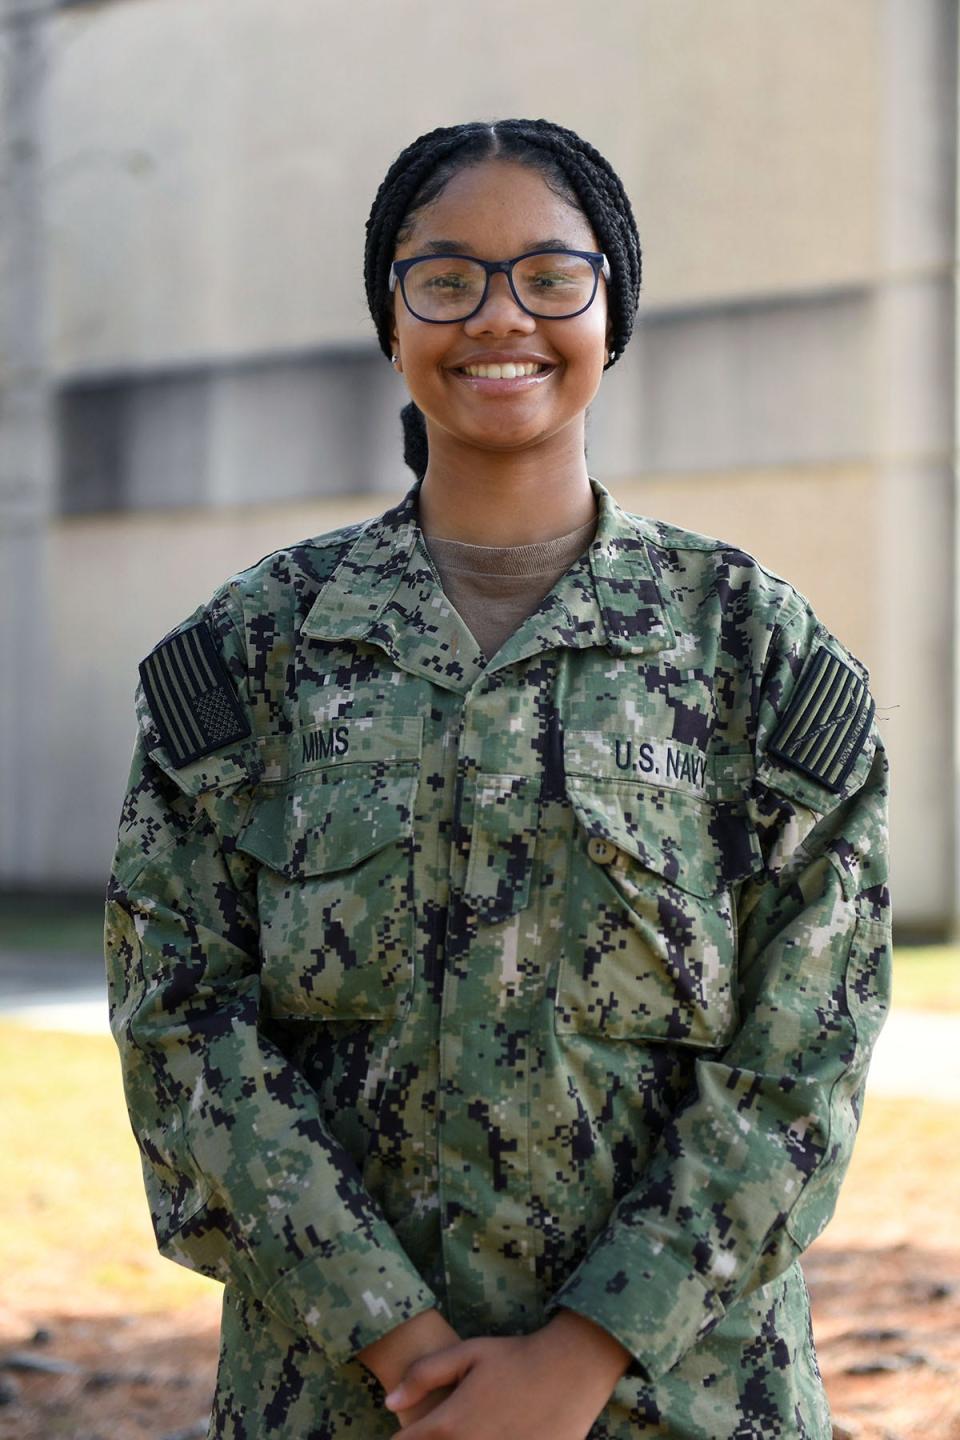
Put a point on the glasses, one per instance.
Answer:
(549, 284)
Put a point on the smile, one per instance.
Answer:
(505, 379)
(506, 371)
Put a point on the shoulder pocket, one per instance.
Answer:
(651, 932)
(335, 885)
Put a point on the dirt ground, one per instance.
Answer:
(886, 1318)
(887, 1326)
(118, 1377)
(884, 1279)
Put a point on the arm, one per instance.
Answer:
(747, 1171)
(245, 1181)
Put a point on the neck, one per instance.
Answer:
(485, 498)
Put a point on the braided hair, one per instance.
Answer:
(572, 168)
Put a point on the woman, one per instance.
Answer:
(498, 930)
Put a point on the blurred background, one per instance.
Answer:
(189, 378)
(190, 375)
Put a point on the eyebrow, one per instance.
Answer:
(454, 247)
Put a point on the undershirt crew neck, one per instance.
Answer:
(493, 588)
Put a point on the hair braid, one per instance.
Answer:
(570, 165)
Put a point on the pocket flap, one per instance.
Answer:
(699, 846)
(330, 819)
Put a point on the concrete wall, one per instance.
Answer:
(208, 167)
(213, 163)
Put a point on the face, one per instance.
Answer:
(496, 210)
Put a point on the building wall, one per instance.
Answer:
(212, 164)
(208, 167)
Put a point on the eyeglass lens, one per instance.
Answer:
(450, 287)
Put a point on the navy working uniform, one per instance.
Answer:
(502, 986)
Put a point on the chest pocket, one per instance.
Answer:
(650, 947)
(335, 885)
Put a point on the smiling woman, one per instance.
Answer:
(498, 930)
(482, 421)
(516, 189)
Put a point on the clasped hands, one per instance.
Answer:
(548, 1385)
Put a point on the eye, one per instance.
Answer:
(549, 280)
(449, 281)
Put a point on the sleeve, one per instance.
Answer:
(747, 1172)
(245, 1181)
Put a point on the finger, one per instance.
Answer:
(424, 1422)
(443, 1367)
(423, 1407)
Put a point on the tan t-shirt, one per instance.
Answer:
(493, 588)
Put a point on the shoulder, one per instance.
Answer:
(286, 580)
(197, 702)
(810, 718)
(690, 562)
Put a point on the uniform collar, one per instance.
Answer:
(385, 592)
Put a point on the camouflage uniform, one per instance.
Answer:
(499, 988)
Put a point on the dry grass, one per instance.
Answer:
(75, 1231)
(927, 977)
(904, 1178)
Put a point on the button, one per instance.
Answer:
(600, 850)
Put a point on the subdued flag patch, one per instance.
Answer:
(827, 722)
(191, 696)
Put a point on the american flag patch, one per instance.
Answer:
(191, 696)
(827, 722)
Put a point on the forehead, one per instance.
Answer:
(498, 208)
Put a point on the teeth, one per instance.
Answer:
(502, 372)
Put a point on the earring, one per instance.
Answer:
(394, 359)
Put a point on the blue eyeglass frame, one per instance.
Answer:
(599, 262)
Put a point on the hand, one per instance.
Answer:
(391, 1356)
(550, 1385)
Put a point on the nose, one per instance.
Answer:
(500, 314)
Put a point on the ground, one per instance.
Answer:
(885, 1279)
(127, 1341)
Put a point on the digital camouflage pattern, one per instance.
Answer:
(503, 988)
